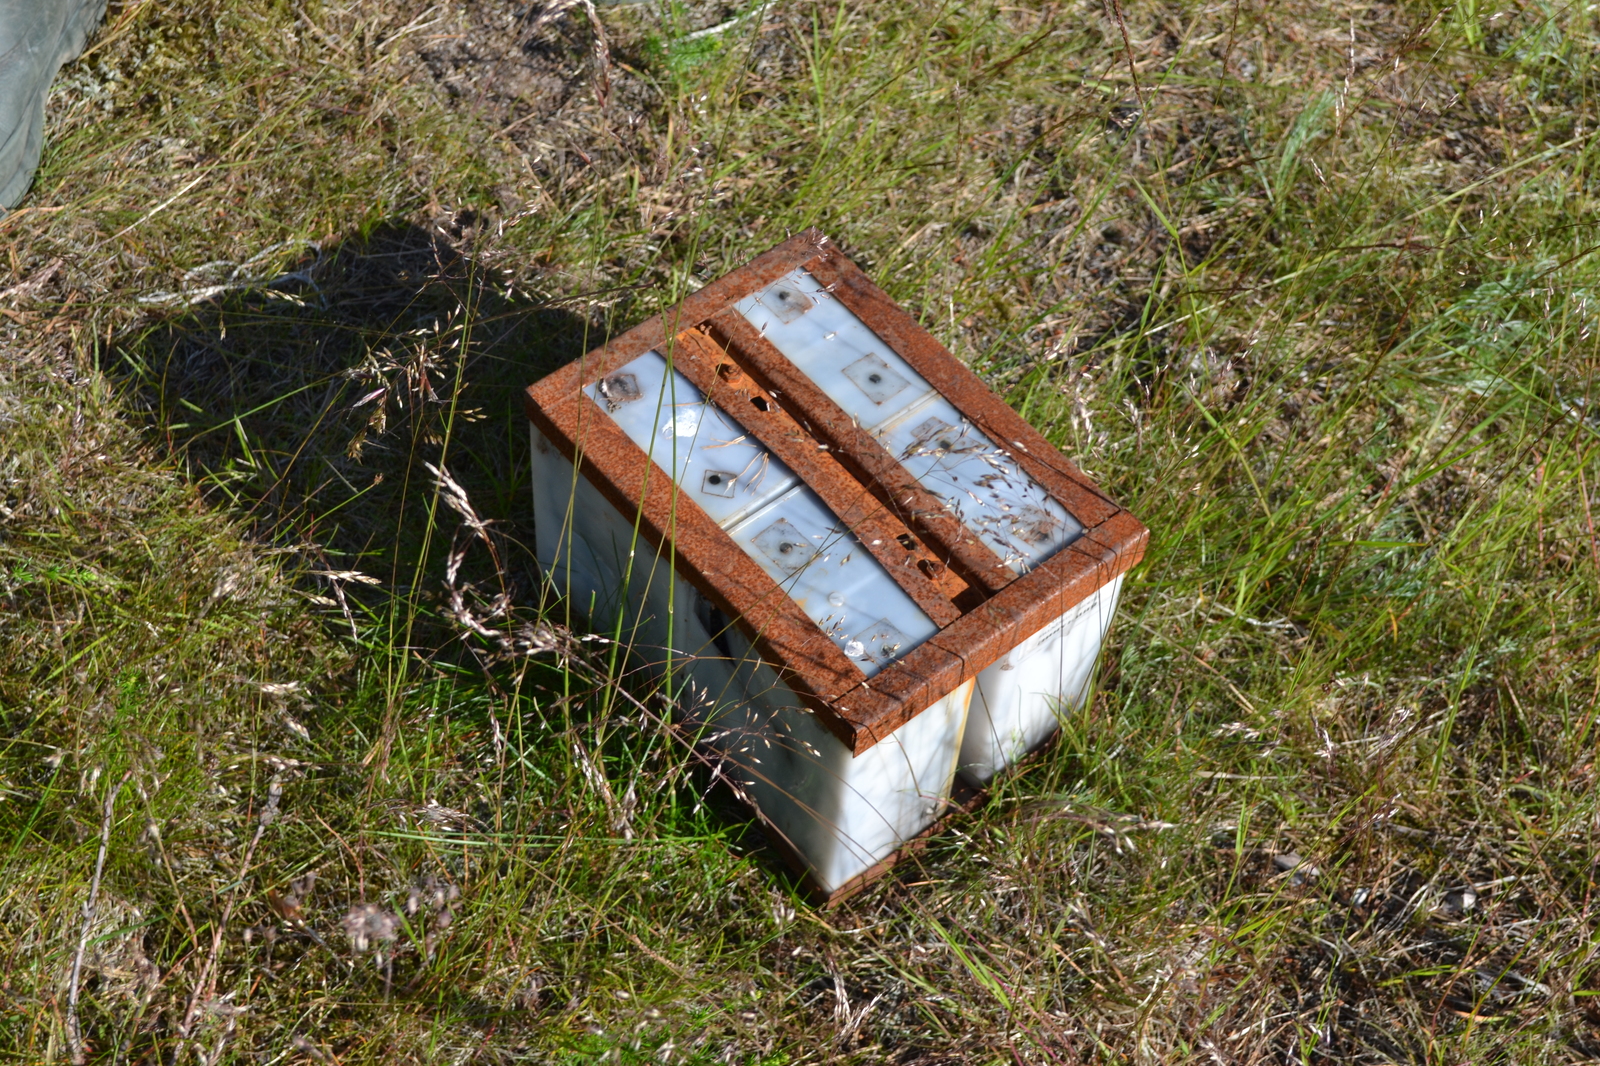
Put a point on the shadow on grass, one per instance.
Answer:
(312, 403)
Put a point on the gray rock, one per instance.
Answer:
(1460, 900)
(1291, 863)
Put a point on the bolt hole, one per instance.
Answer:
(760, 403)
(906, 542)
(876, 379)
(715, 479)
(946, 445)
(786, 547)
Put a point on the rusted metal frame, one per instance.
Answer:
(754, 276)
(1051, 589)
(913, 683)
(670, 520)
(880, 705)
(863, 454)
(1037, 457)
(714, 373)
(870, 711)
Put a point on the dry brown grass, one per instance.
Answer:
(1308, 287)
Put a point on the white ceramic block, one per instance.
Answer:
(1020, 698)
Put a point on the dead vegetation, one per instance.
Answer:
(1310, 288)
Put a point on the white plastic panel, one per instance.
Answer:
(978, 481)
(841, 813)
(569, 525)
(834, 579)
(837, 351)
(980, 484)
(715, 462)
(1020, 698)
(588, 551)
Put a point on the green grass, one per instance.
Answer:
(1311, 290)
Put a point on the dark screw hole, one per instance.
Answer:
(760, 403)
(876, 379)
(715, 479)
(785, 547)
(946, 445)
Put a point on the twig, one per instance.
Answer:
(74, 1032)
(1127, 44)
(1594, 545)
(602, 55)
(206, 981)
(154, 211)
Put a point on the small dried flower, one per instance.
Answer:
(368, 923)
(435, 893)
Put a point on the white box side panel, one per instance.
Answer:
(841, 813)
(587, 549)
(569, 518)
(1019, 698)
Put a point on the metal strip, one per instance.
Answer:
(671, 521)
(863, 455)
(714, 372)
(1038, 458)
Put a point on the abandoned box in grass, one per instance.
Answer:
(862, 572)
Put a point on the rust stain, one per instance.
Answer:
(869, 461)
(714, 372)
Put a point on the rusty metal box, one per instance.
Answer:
(862, 571)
